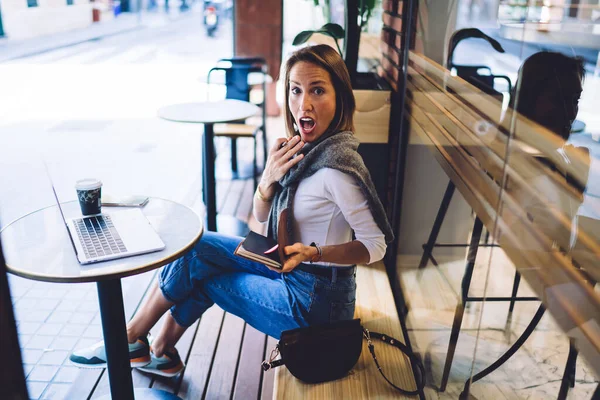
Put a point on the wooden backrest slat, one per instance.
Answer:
(436, 102)
(529, 132)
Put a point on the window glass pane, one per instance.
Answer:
(500, 195)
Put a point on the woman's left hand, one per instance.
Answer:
(297, 253)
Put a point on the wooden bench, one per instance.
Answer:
(376, 308)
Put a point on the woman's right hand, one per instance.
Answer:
(281, 159)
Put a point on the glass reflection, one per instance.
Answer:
(509, 116)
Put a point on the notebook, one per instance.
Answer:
(103, 237)
(266, 250)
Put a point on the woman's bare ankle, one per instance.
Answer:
(132, 336)
(159, 349)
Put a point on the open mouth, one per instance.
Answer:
(307, 125)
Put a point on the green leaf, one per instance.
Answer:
(334, 30)
(302, 37)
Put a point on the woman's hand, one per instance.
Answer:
(281, 159)
(297, 253)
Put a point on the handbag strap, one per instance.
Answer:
(419, 377)
(419, 373)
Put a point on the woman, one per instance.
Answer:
(319, 177)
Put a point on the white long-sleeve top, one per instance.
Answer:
(328, 206)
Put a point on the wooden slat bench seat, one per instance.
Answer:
(377, 311)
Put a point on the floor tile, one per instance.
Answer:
(49, 329)
(47, 304)
(83, 318)
(27, 369)
(56, 391)
(28, 327)
(56, 357)
(58, 317)
(37, 293)
(73, 330)
(57, 293)
(31, 356)
(24, 339)
(75, 294)
(31, 315)
(35, 389)
(88, 306)
(43, 373)
(64, 342)
(93, 331)
(86, 342)
(67, 305)
(40, 342)
(66, 374)
(26, 303)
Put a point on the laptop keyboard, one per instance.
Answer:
(98, 236)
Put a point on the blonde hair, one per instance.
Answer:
(327, 58)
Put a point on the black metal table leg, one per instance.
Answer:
(110, 297)
(234, 163)
(568, 379)
(208, 174)
(508, 354)
(460, 307)
(435, 230)
(114, 330)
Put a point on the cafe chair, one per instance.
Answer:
(480, 76)
(239, 86)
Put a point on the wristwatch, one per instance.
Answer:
(316, 257)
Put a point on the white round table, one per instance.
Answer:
(37, 246)
(209, 113)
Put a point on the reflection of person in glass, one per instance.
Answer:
(551, 191)
(549, 89)
(548, 93)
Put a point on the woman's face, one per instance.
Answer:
(311, 100)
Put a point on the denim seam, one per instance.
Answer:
(312, 296)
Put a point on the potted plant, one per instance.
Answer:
(357, 16)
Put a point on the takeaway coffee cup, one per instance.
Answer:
(89, 194)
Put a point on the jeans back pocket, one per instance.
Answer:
(341, 311)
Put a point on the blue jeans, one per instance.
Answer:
(271, 302)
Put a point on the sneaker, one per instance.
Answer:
(168, 365)
(95, 356)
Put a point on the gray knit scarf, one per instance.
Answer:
(332, 150)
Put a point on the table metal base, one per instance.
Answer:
(148, 394)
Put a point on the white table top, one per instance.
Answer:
(209, 112)
(37, 245)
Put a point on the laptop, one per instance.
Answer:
(103, 237)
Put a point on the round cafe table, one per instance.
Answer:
(209, 113)
(37, 246)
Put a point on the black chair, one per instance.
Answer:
(480, 76)
(237, 71)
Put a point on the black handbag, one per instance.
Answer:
(323, 353)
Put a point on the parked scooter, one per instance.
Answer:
(211, 20)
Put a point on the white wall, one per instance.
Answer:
(50, 16)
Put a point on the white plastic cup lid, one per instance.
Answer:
(88, 184)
